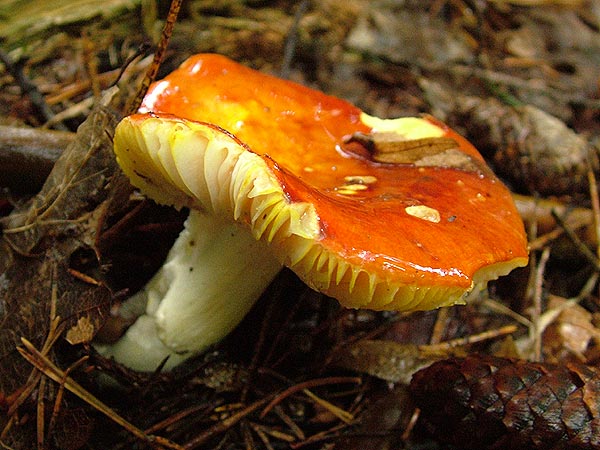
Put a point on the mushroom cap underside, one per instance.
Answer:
(373, 234)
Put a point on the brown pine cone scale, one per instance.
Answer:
(483, 402)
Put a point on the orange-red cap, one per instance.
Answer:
(397, 214)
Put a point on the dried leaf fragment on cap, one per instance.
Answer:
(276, 160)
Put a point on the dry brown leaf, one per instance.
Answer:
(42, 241)
(571, 333)
(81, 333)
(387, 360)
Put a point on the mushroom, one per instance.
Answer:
(398, 214)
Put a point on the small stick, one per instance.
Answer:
(439, 326)
(411, 425)
(289, 422)
(290, 42)
(40, 429)
(579, 245)
(159, 56)
(326, 435)
(341, 414)
(537, 303)
(177, 417)
(595, 200)
(60, 394)
(549, 316)
(472, 339)
(593, 187)
(48, 368)
(277, 434)
(306, 385)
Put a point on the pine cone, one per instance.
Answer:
(482, 402)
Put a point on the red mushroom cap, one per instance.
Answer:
(407, 215)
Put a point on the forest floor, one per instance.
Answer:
(520, 79)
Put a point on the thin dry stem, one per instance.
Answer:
(159, 56)
(577, 242)
(446, 346)
(537, 304)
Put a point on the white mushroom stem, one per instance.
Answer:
(212, 276)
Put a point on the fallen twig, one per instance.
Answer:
(159, 56)
(306, 385)
(577, 242)
(48, 368)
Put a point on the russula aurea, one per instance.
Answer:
(399, 214)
